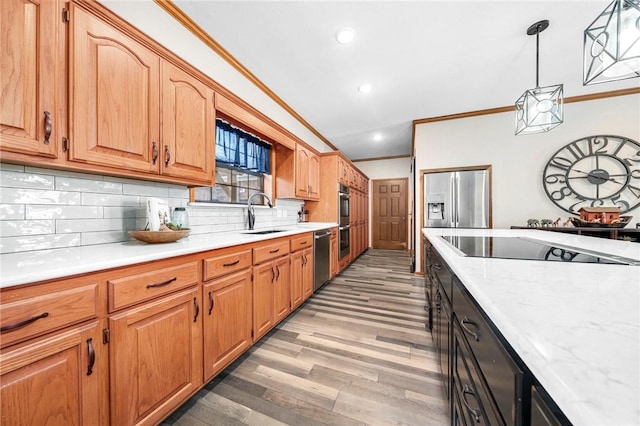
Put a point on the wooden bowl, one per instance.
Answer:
(579, 223)
(155, 237)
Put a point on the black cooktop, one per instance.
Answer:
(524, 248)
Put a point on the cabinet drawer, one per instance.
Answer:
(25, 317)
(501, 373)
(299, 243)
(270, 251)
(440, 270)
(147, 285)
(476, 403)
(225, 262)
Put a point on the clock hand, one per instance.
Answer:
(588, 174)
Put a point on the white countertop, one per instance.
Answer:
(576, 326)
(30, 267)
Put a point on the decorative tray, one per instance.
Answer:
(154, 237)
(579, 223)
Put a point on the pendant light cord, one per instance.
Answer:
(537, 54)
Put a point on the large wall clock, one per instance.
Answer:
(595, 171)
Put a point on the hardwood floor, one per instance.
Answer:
(356, 353)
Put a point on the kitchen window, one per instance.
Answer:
(242, 162)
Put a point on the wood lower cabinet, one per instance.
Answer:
(301, 269)
(301, 276)
(32, 117)
(271, 298)
(59, 379)
(333, 253)
(271, 288)
(297, 267)
(156, 357)
(227, 320)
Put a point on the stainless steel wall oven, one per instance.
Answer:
(343, 204)
(343, 213)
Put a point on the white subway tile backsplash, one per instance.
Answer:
(65, 183)
(128, 212)
(145, 190)
(14, 228)
(93, 199)
(12, 179)
(43, 209)
(34, 196)
(63, 212)
(12, 211)
(13, 167)
(117, 224)
(38, 242)
(180, 192)
(106, 237)
(51, 172)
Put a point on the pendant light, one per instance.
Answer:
(539, 109)
(612, 44)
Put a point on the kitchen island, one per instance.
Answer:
(575, 326)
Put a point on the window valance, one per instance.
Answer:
(238, 148)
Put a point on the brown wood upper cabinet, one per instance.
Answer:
(120, 90)
(307, 174)
(30, 78)
(297, 173)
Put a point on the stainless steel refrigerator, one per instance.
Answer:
(457, 199)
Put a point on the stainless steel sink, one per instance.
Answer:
(265, 231)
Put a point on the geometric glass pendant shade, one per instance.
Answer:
(612, 44)
(539, 109)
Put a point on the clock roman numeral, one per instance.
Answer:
(561, 163)
(634, 190)
(575, 150)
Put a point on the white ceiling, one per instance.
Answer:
(423, 58)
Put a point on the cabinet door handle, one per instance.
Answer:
(475, 412)
(466, 321)
(195, 304)
(273, 274)
(210, 303)
(162, 284)
(154, 152)
(167, 156)
(277, 272)
(92, 356)
(231, 263)
(24, 323)
(48, 126)
(274, 251)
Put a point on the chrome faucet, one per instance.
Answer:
(251, 214)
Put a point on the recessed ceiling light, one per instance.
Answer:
(345, 35)
(377, 137)
(365, 88)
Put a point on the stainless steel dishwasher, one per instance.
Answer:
(320, 258)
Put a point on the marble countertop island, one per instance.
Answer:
(575, 326)
(34, 266)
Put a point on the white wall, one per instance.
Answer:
(385, 169)
(152, 20)
(518, 161)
